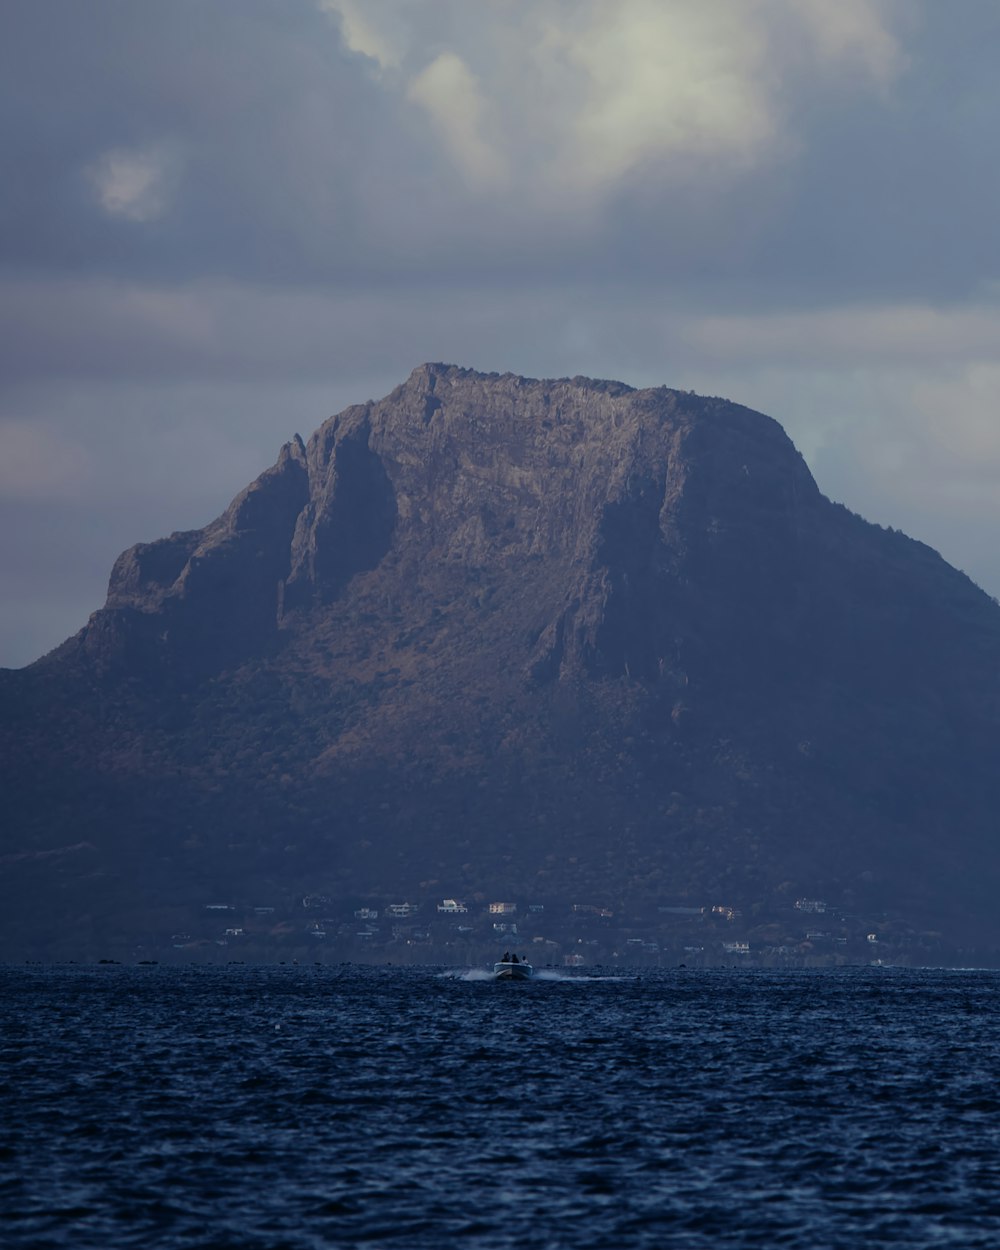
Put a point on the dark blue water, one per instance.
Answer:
(310, 1107)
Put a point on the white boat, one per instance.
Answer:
(512, 970)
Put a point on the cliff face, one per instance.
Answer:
(199, 601)
(502, 633)
(630, 500)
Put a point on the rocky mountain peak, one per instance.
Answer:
(627, 497)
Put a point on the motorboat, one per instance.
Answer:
(512, 970)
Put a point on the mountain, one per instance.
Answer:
(496, 637)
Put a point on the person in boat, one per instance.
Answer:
(513, 959)
(506, 957)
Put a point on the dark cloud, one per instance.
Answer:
(253, 104)
(289, 160)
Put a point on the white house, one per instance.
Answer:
(400, 910)
(452, 907)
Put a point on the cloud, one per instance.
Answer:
(36, 463)
(365, 31)
(668, 82)
(936, 448)
(450, 95)
(916, 334)
(318, 142)
(578, 96)
(136, 184)
(960, 423)
(854, 29)
(696, 87)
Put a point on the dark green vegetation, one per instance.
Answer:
(498, 636)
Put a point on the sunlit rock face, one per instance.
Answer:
(553, 636)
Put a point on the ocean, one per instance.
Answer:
(306, 1107)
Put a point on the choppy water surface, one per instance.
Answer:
(309, 1107)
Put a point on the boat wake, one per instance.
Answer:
(540, 974)
(551, 974)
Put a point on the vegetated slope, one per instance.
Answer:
(514, 636)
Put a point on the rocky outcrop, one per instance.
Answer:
(633, 500)
(348, 523)
(204, 600)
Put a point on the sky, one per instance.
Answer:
(222, 221)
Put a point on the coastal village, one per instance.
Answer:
(804, 933)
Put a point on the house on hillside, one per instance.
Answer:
(401, 910)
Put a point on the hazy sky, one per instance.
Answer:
(223, 220)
